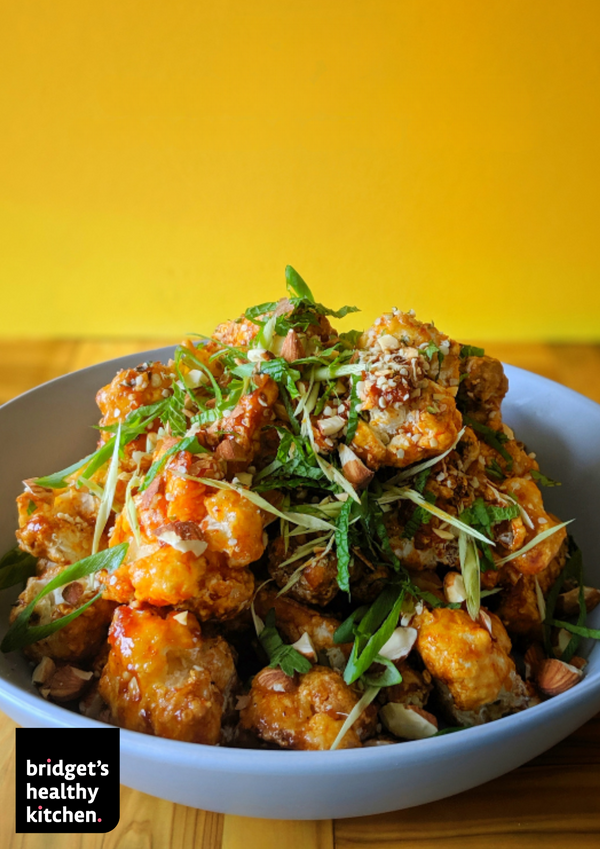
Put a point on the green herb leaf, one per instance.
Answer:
(353, 411)
(542, 479)
(283, 373)
(342, 545)
(494, 438)
(296, 285)
(388, 678)
(279, 654)
(373, 631)
(580, 630)
(471, 351)
(494, 471)
(22, 634)
(345, 633)
(16, 566)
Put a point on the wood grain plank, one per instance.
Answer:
(246, 833)
(554, 799)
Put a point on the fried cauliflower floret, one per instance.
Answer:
(530, 499)
(234, 526)
(306, 711)
(57, 524)
(162, 677)
(414, 689)
(463, 655)
(317, 583)
(242, 427)
(411, 409)
(236, 334)
(80, 639)
(519, 609)
(185, 497)
(295, 619)
(483, 388)
(398, 330)
(132, 388)
(164, 576)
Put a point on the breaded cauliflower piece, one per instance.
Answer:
(295, 619)
(132, 388)
(162, 677)
(463, 655)
(306, 711)
(317, 583)
(414, 689)
(80, 639)
(57, 524)
(541, 555)
(402, 330)
(483, 388)
(408, 388)
(519, 609)
(237, 435)
(195, 543)
(233, 525)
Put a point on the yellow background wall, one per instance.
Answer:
(161, 162)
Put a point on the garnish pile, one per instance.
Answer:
(293, 537)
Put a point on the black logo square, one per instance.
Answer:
(67, 780)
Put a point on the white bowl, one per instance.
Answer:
(49, 427)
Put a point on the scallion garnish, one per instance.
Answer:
(22, 634)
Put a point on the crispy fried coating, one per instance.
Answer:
(408, 389)
(306, 711)
(462, 654)
(409, 332)
(519, 609)
(295, 619)
(57, 524)
(237, 435)
(317, 583)
(483, 388)
(414, 689)
(162, 677)
(530, 499)
(233, 526)
(132, 388)
(82, 638)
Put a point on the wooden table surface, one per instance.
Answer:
(552, 801)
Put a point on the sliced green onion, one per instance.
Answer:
(108, 495)
(426, 464)
(295, 577)
(469, 566)
(312, 523)
(16, 566)
(22, 634)
(354, 714)
(533, 542)
(130, 509)
(396, 494)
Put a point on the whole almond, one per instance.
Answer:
(567, 604)
(73, 592)
(276, 680)
(67, 683)
(353, 468)
(555, 677)
(292, 348)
